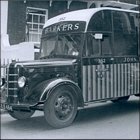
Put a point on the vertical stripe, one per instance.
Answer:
(127, 71)
(91, 72)
(132, 78)
(128, 93)
(107, 84)
(112, 79)
(122, 80)
(99, 81)
(135, 81)
(103, 84)
(89, 84)
(115, 80)
(138, 78)
(135, 76)
(126, 79)
(86, 99)
(118, 72)
(84, 82)
(112, 94)
(131, 86)
(94, 82)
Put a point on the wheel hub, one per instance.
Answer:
(63, 107)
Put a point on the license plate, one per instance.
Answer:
(6, 107)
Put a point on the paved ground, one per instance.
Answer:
(103, 121)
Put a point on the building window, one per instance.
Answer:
(35, 20)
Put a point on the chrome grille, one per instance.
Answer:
(11, 82)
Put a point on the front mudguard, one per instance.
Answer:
(46, 89)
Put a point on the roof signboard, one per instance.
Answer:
(64, 26)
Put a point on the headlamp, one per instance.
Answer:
(21, 81)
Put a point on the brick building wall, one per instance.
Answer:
(16, 21)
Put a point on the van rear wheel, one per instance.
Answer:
(120, 99)
(21, 115)
(137, 95)
(60, 109)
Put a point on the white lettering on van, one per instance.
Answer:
(76, 27)
(58, 28)
(130, 60)
(70, 27)
(64, 28)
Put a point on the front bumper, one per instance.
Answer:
(21, 107)
(12, 107)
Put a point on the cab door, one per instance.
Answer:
(97, 67)
(98, 60)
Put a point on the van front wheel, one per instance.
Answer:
(60, 108)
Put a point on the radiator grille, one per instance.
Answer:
(11, 84)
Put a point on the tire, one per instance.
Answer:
(21, 115)
(60, 109)
(137, 95)
(120, 99)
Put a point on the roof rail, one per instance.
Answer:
(118, 4)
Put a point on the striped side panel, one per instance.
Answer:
(138, 78)
(119, 80)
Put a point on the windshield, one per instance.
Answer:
(60, 45)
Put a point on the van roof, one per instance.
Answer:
(81, 15)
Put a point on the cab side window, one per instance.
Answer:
(100, 23)
(92, 46)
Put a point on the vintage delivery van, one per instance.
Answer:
(86, 56)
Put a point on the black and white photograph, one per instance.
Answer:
(70, 69)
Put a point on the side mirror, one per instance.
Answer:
(98, 36)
